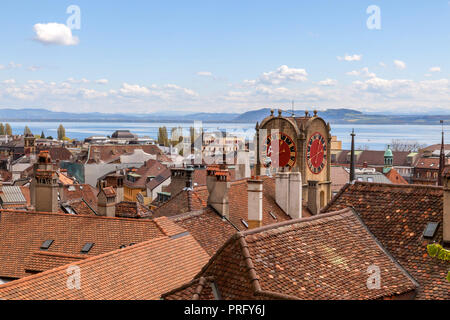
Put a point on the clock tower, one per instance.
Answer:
(298, 144)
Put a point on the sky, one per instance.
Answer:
(225, 56)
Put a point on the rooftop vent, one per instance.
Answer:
(46, 245)
(430, 230)
(87, 247)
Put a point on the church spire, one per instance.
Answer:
(352, 158)
(441, 158)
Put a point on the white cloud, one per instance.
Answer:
(55, 33)
(400, 64)
(435, 69)
(364, 72)
(204, 74)
(9, 81)
(102, 81)
(328, 82)
(78, 81)
(382, 64)
(355, 57)
(13, 65)
(34, 68)
(133, 90)
(282, 75)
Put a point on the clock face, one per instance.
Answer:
(286, 155)
(316, 153)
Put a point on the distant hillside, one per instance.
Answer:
(329, 115)
(337, 116)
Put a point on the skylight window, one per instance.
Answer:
(46, 245)
(273, 215)
(244, 223)
(430, 230)
(87, 247)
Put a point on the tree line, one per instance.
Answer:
(6, 129)
(176, 136)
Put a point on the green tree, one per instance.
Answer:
(61, 132)
(42, 135)
(163, 137)
(26, 131)
(8, 129)
(176, 136)
(2, 129)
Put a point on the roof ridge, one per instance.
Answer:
(295, 221)
(59, 254)
(393, 185)
(73, 216)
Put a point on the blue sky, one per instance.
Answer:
(228, 56)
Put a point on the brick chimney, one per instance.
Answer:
(313, 197)
(106, 202)
(44, 186)
(218, 184)
(181, 178)
(255, 203)
(446, 206)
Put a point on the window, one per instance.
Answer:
(273, 215)
(46, 245)
(369, 179)
(244, 223)
(430, 230)
(87, 247)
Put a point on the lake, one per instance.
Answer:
(375, 137)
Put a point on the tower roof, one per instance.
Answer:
(388, 152)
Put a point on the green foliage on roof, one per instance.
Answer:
(435, 250)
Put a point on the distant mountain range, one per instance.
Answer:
(339, 116)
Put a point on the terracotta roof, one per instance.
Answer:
(150, 168)
(110, 152)
(207, 227)
(323, 257)
(160, 178)
(23, 233)
(397, 215)
(57, 153)
(427, 163)
(187, 201)
(64, 179)
(109, 191)
(339, 178)
(80, 206)
(183, 202)
(137, 272)
(126, 209)
(373, 158)
(395, 177)
(81, 191)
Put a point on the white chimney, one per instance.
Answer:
(218, 184)
(313, 197)
(295, 195)
(282, 190)
(255, 203)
